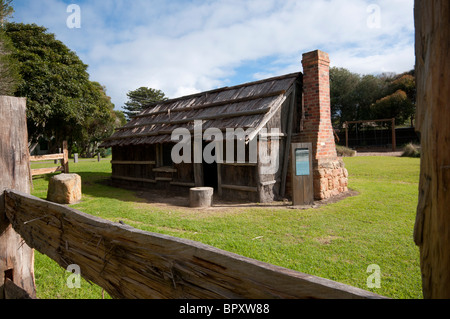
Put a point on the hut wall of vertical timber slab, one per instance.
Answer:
(270, 113)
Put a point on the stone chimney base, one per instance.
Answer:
(330, 175)
(330, 179)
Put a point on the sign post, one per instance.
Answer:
(302, 174)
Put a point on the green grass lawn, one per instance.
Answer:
(337, 241)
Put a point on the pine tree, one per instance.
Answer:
(140, 99)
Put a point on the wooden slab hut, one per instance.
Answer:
(276, 112)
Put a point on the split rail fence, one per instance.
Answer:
(62, 157)
(128, 263)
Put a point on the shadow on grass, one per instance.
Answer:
(94, 184)
(100, 185)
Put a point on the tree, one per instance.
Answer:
(369, 89)
(6, 11)
(62, 103)
(343, 84)
(407, 83)
(395, 106)
(369, 97)
(9, 67)
(99, 125)
(120, 120)
(399, 99)
(140, 99)
(9, 72)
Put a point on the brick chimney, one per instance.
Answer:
(330, 175)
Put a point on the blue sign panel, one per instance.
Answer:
(302, 162)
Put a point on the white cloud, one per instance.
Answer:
(186, 47)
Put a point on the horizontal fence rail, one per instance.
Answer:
(62, 157)
(130, 263)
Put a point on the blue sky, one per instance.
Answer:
(184, 47)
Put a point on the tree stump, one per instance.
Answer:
(201, 196)
(64, 189)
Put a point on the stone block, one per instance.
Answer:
(336, 172)
(345, 171)
(64, 189)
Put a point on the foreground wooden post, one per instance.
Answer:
(134, 264)
(432, 228)
(16, 257)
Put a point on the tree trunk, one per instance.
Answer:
(16, 258)
(432, 229)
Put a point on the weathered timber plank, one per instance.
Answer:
(16, 258)
(239, 164)
(274, 106)
(213, 104)
(134, 179)
(198, 173)
(287, 146)
(212, 92)
(163, 179)
(164, 169)
(431, 231)
(202, 117)
(12, 291)
(65, 159)
(369, 121)
(50, 170)
(133, 162)
(46, 157)
(240, 188)
(186, 184)
(131, 263)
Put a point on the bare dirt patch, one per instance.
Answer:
(395, 154)
(180, 203)
(326, 240)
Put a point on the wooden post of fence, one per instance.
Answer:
(65, 160)
(16, 257)
(394, 138)
(431, 232)
(346, 134)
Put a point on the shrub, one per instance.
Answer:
(345, 151)
(411, 150)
